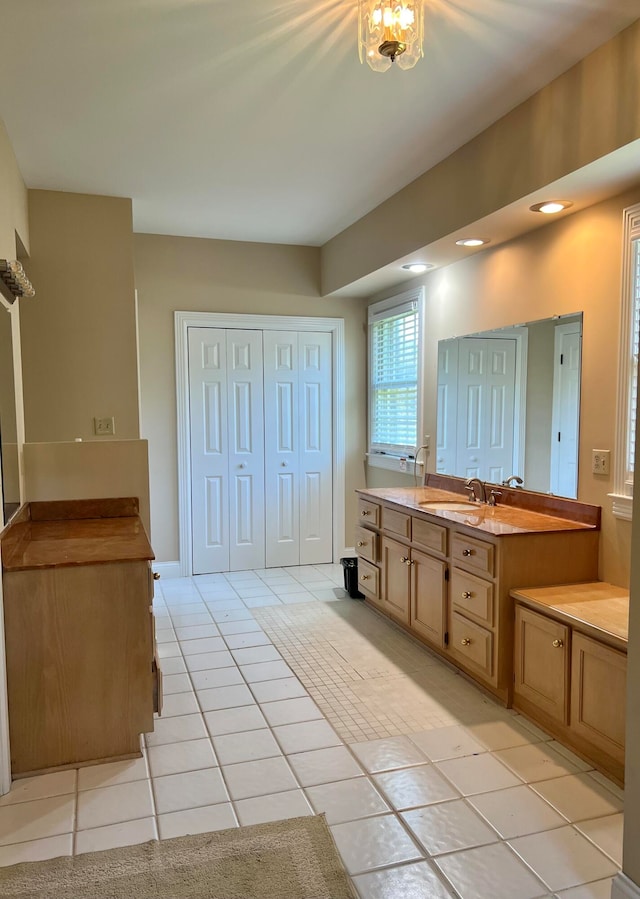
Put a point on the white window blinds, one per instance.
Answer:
(635, 348)
(394, 367)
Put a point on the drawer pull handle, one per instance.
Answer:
(467, 552)
(467, 594)
(411, 562)
(364, 577)
(362, 542)
(466, 641)
(365, 512)
(404, 559)
(156, 576)
(558, 644)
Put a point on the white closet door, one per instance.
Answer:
(315, 455)
(246, 450)
(486, 407)
(282, 476)
(209, 449)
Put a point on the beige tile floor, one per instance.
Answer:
(284, 698)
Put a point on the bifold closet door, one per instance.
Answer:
(227, 449)
(298, 447)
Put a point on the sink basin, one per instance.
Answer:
(450, 506)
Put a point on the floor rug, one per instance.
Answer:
(292, 859)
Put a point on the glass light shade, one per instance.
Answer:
(393, 26)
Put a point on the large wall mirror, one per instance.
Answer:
(509, 405)
(8, 424)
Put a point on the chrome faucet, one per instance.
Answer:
(481, 495)
(513, 477)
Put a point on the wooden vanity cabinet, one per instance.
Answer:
(571, 683)
(82, 674)
(448, 583)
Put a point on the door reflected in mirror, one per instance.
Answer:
(509, 405)
(8, 428)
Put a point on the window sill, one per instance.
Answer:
(622, 506)
(392, 463)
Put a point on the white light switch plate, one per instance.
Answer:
(600, 461)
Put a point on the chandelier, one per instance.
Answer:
(390, 31)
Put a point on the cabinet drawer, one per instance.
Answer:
(472, 596)
(542, 663)
(473, 553)
(472, 644)
(396, 522)
(369, 579)
(598, 694)
(431, 536)
(369, 513)
(367, 544)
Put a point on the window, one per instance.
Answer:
(395, 327)
(628, 372)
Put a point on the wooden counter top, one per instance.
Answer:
(597, 608)
(37, 539)
(499, 520)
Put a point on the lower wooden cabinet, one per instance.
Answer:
(396, 578)
(598, 694)
(428, 597)
(542, 663)
(573, 685)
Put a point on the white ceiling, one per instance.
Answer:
(253, 119)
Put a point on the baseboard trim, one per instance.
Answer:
(624, 888)
(167, 570)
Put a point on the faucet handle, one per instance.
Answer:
(493, 497)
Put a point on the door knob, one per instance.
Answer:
(156, 576)
(242, 465)
(362, 542)
(404, 559)
(467, 552)
(558, 644)
(364, 577)
(467, 594)
(365, 512)
(284, 464)
(466, 641)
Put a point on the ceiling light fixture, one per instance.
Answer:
(417, 268)
(390, 31)
(550, 207)
(472, 241)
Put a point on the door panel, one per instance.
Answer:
(209, 441)
(428, 597)
(282, 479)
(316, 448)
(566, 410)
(486, 407)
(246, 450)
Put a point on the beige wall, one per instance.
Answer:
(78, 332)
(88, 470)
(219, 276)
(569, 266)
(589, 111)
(13, 206)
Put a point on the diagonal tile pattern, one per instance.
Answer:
(285, 698)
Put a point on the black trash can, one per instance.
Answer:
(350, 566)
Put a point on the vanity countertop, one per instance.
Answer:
(53, 535)
(596, 608)
(499, 520)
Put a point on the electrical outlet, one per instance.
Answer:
(403, 463)
(600, 461)
(104, 427)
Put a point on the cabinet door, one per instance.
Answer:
(598, 694)
(542, 663)
(396, 579)
(428, 597)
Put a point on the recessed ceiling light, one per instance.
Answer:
(472, 241)
(417, 268)
(550, 207)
